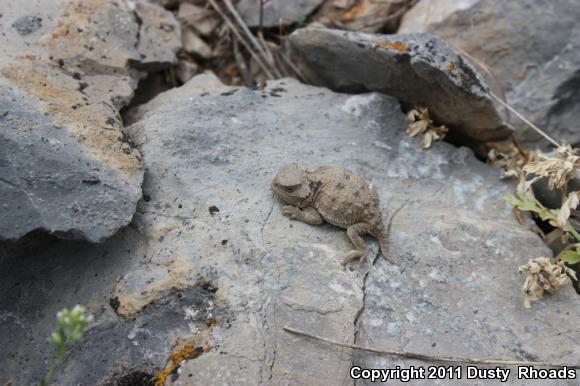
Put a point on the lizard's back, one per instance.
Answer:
(344, 198)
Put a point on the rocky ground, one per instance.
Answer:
(151, 204)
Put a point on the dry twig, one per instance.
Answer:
(260, 28)
(487, 70)
(299, 74)
(502, 102)
(424, 357)
(261, 49)
(246, 45)
(524, 119)
(241, 63)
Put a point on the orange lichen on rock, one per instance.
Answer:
(186, 352)
(396, 46)
(84, 33)
(84, 117)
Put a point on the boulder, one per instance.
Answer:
(550, 97)
(418, 69)
(211, 271)
(66, 70)
(530, 45)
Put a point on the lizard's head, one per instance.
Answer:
(291, 184)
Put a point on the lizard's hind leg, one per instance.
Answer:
(360, 250)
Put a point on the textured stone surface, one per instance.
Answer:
(66, 69)
(210, 259)
(417, 69)
(530, 45)
(276, 12)
(159, 36)
(48, 181)
(550, 97)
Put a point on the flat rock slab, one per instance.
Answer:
(211, 261)
(276, 12)
(535, 63)
(416, 68)
(66, 70)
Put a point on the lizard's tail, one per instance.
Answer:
(381, 235)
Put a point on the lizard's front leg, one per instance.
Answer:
(308, 215)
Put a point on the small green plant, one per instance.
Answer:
(553, 216)
(71, 327)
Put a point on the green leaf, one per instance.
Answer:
(529, 204)
(572, 257)
(513, 200)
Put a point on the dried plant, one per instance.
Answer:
(543, 275)
(421, 123)
(511, 159)
(559, 170)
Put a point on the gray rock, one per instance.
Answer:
(159, 36)
(209, 259)
(276, 12)
(549, 97)
(66, 164)
(417, 69)
(530, 45)
(49, 181)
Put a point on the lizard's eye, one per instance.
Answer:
(290, 189)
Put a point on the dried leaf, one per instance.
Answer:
(418, 127)
(559, 170)
(511, 159)
(525, 186)
(427, 140)
(422, 124)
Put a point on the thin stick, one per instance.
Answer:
(244, 71)
(261, 16)
(520, 149)
(268, 51)
(233, 28)
(424, 357)
(296, 70)
(504, 104)
(487, 69)
(520, 116)
(250, 36)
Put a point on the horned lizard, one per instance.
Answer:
(337, 196)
